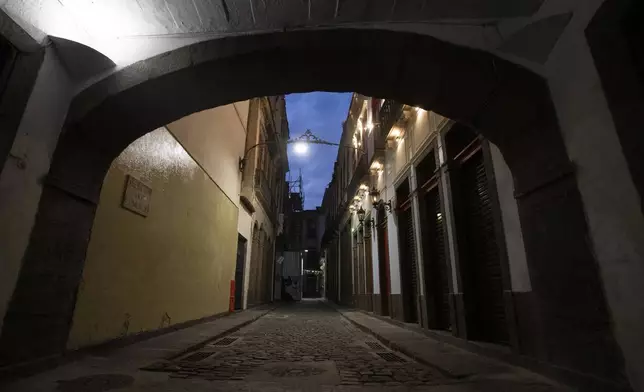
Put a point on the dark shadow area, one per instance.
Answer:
(508, 105)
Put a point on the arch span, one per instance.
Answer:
(508, 104)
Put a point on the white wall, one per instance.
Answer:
(375, 256)
(400, 158)
(244, 227)
(380, 186)
(415, 210)
(394, 254)
(519, 274)
(20, 188)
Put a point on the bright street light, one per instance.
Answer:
(300, 145)
(301, 148)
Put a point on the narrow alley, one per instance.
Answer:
(252, 195)
(305, 346)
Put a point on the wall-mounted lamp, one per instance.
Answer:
(361, 214)
(395, 133)
(381, 203)
(375, 195)
(370, 223)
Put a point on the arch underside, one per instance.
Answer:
(506, 103)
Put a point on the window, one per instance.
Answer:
(311, 229)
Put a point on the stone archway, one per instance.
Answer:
(508, 104)
(614, 36)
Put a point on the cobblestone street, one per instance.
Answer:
(306, 346)
(310, 346)
(298, 342)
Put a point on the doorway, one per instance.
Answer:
(368, 259)
(478, 248)
(239, 272)
(435, 264)
(407, 241)
(383, 262)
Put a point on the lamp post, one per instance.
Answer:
(300, 143)
(361, 213)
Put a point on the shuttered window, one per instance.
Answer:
(483, 255)
(479, 256)
(407, 253)
(435, 268)
(368, 256)
(383, 261)
(435, 261)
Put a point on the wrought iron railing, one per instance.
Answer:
(264, 190)
(361, 170)
(389, 113)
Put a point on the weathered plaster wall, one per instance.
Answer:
(215, 138)
(245, 227)
(394, 254)
(519, 274)
(611, 201)
(22, 175)
(399, 157)
(614, 216)
(183, 251)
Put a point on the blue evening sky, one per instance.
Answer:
(323, 114)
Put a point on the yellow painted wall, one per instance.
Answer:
(174, 265)
(216, 139)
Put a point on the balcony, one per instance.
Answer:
(390, 112)
(273, 139)
(264, 193)
(359, 174)
(376, 144)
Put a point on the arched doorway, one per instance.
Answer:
(508, 104)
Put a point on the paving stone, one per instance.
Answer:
(288, 344)
(299, 335)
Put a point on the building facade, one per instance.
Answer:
(563, 75)
(304, 232)
(176, 211)
(262, 193)
(422, 226)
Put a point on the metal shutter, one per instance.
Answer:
(484, 291)
(436, 271)
(346, 274)
(410, 278)
(383, 261)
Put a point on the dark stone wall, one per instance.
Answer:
(377, 304)
(397, 310)
(17, 79)
(422, 311)
(509, 105)
(615, 37)
(529, 332)
(457, 313)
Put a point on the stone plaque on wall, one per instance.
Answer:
(136, 197)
